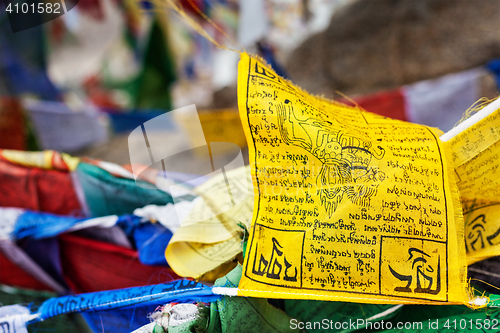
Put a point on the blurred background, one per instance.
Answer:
(83, 81)
(80, 83)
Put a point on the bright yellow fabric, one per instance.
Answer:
(476, 155)
(47, 159)
(204, 242)
(352, 206)
(221, 125)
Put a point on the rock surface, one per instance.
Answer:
(376, 45)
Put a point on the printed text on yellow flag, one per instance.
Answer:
(351, 206)
(477, 168)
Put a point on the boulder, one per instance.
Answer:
(377, 45)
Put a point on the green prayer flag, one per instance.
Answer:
(245, 314)
(109, 195)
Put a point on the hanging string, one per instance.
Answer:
(211, 22)
(475, 108)
(348, 99)
(486, 283)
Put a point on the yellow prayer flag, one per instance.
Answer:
(47, 159)
(351, 206)
(220, 125)
(223, 125)
(476, 156)
(482, 230)
(206, 240)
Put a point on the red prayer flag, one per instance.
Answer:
(91, 265)
(388, 104)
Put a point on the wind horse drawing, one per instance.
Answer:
(346, 159)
